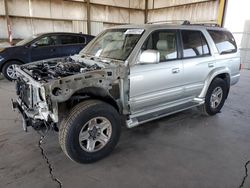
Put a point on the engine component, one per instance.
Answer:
(46, 71)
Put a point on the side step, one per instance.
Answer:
(135, 121)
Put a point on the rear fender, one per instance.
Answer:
(213, 74)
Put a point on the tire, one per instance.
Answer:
(7, 70)
(211, 107)
(80, 123)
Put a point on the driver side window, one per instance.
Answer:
(163, 41)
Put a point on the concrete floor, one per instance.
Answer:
(183, 150)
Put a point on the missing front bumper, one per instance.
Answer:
(26, 119)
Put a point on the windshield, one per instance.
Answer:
(25, 41)
(115, 43)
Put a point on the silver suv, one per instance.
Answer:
(126, 75)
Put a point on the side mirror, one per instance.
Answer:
(149, 56)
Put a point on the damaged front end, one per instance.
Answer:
(42, 87)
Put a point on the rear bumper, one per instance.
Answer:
(234, 79)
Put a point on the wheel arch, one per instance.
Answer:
(224, 74)
(9, 60)
(94, 93)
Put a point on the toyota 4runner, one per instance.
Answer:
(127, 75)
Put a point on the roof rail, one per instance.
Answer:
(168, 22)
(186, 22)
(208, 24)
(201, 24)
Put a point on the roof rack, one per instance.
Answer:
(168, 22)
(186, 22)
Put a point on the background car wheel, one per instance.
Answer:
(90, 132)
(215, 97)
(8, 70)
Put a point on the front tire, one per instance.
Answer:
(8, 70)
(215, 97)
(90, 132)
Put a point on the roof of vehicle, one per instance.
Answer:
(60, 33)
(170, 26)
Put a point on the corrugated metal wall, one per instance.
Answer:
(196, 11)
(35, 16)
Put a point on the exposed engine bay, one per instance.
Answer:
(45, 87)
(48, 70)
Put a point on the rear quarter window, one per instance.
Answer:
(224, 41)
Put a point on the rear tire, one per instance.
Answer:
(90, 132)
(8, 70)
(215, 97)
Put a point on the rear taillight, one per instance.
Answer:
(240, 67)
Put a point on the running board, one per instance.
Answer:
(135, 121)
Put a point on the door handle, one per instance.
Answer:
(210, 64)
(175, 70)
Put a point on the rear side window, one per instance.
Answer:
(194, 44)
(67, 39)
(82, 40)
(224, 41)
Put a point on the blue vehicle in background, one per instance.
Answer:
(39, 47)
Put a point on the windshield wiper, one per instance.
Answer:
(105, 61)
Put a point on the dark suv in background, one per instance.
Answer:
(39, 47)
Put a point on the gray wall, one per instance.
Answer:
(237, 20)
(245, 45)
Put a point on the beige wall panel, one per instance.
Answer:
(42, 26)
(68, 26)
(119, 3)
(204, 12)
(18, 7)
(40, 8)
(108, 14)
(3, 28)
(169, 3)
(80, 26)
(57, 9)
(109, 25)
(74, 10)
(98, 13)
(2, 9)
(21, 28)
(117, 15)
(96, 28)
(140, 4)
(137, 17)
(62, 26)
